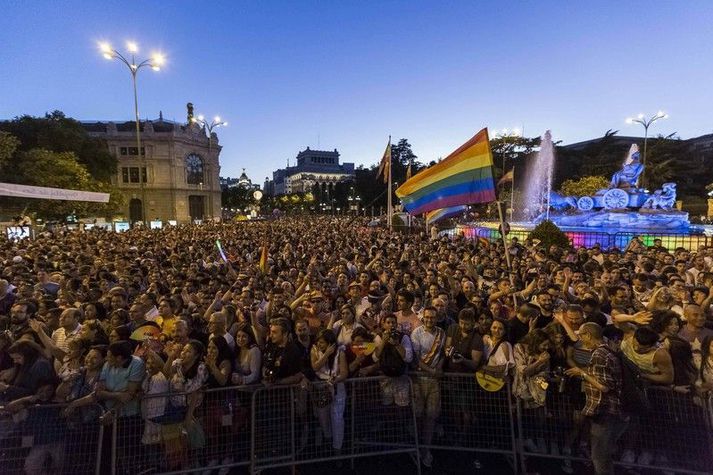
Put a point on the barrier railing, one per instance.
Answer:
(265, 427)
(675, 433)
(46, 438)
(587, 238)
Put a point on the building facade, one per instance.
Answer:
(314, 167)
(176, 177)
(243, 181)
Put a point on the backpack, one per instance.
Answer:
(391, 362)
(634, 399)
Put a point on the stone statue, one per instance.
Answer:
(561, 202)
(665, 198)
(632, 168)
(189, 108)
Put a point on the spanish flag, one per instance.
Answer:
(385, 164)
(464, 177)
(263, 259)
(507, 178)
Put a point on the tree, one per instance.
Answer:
(39, 167)
(511, 150)
(8, 145)
(548, 234)
(58, 133)
(585, 186)
(237, 197)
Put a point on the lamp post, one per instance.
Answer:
(155, 62)
(646, 123)
(508, 137)
(209, 126)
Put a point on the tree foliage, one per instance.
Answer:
(58, 133)
(56, 152)
(39, 167)
(548, 234)
(585, 186)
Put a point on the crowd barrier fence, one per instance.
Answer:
(47, 438)
(269, 426)
(586, 238)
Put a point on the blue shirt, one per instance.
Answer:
(118, 379)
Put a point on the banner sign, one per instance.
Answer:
(26, 191)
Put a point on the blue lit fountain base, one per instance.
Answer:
(622, 220)
(617, 236)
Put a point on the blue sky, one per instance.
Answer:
(346, 75)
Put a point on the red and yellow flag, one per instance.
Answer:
(385, 164)
(263, 259)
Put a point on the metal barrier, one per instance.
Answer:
(472, 419)
(43, 438)
(266, 427)
(322, 422)
(675, 434)
(162, 439)
(587, 238)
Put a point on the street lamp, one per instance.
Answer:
(508, 137)
(155, 62)
(641, 119)
(209, 126)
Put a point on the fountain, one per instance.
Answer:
(611, 217)
(538, 182)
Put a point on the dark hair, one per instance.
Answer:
(467, 314)
(246, 328)
(331, 339)
(123, 349)
(408, 296)
(121, 313)
(390, 315)
(661, 319)
(102, 349)
(199, 348)
(646, 336)
(100, 336)
(363, 333)
(533, 340)
(224, 351)
(124, 332)
(29, 350)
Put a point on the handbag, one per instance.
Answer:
(172, 414)
(488, 381)
(322, 394)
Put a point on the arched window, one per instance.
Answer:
(194, 169)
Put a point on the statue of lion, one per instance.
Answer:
(665, 198)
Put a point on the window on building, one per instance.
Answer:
(131, 174)
(194, 169)
(133, 151)
(124, 150)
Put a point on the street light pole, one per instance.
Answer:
(209, 126)
(155, 62)
(646, 123)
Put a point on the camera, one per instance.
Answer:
(557, 376)
(451, 353)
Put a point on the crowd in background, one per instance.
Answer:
(138, 325)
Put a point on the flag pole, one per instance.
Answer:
(512, 194)
(388, 203)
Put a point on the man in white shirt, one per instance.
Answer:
(69, 328)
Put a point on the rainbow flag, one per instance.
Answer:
(442, 213)
(464, 177)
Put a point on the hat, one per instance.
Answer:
(17, 259)
(354, 284)
(316, 295)
(374, 297)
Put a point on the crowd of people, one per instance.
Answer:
(138, 327)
